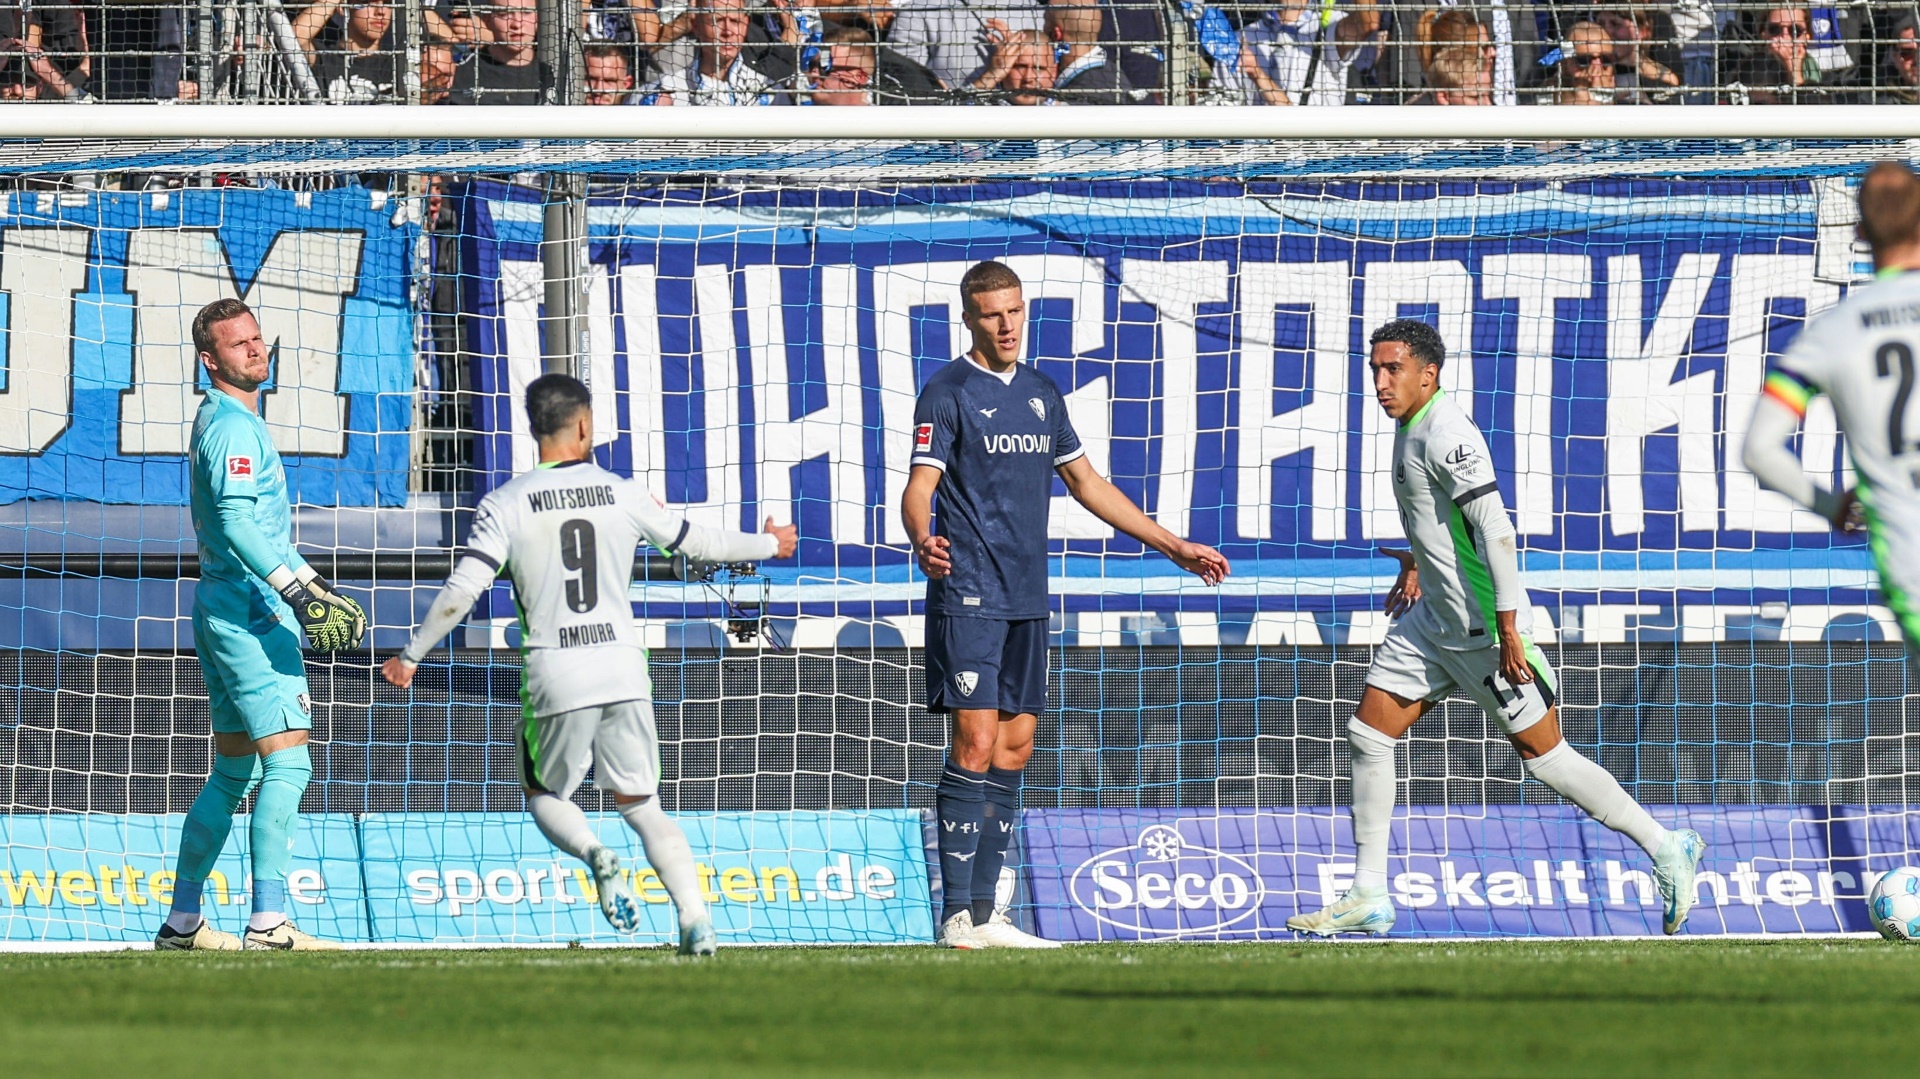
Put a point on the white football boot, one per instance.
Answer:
(1000, 932)
(958, 932)
(617, 900)
(1355, 912)
(286, 938)
(204, 939)
(1673, 872)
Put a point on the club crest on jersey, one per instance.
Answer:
(923, 437)
(1039, 407)
(965, 681)
(239, 468)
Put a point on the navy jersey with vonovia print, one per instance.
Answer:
(996, 442)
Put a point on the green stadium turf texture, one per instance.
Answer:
(1519, 1008)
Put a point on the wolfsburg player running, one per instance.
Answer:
(564, 534)
(1861, 353)
(1462, 624)
(253, 587)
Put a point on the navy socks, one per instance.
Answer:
(959, 804)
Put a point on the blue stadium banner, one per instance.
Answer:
(98, 375)
(843, 876)
(109, 877)
(758, 353)
(1139, 874)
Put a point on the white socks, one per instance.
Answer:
(564, 825)
(667, 851)
(184, 922)
(1374, 788)
(1592, 788)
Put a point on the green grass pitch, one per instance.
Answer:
(1596, 1008)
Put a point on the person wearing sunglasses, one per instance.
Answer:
(1586, 67)
(1777, 68)
(1900, 85)
(842, 71)
(1638, 77)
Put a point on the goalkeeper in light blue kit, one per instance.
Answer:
(253, 588)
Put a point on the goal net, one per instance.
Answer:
(756, 319)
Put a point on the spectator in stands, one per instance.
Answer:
(66, 52)
(1586, 67)
(717, 75)
(843, 70)
(609, 74)
(356, 63)
(436, 72)
(26, 71)
(1135, 37)
(1083, 72)
(1902, 85)
(778, 42)
(956, 38)
(894, 79)
(1638, 77)
(1774, 67)
(1460, 75)
(1292, 56)
(1020, 71)
(506, 71)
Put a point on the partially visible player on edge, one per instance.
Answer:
(989, 435)
(253, 587)
(1462, 623)
(1861, 352)
(564, 534)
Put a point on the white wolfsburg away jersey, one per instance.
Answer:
(1443, 482)
(1863, 353)
(565, 536)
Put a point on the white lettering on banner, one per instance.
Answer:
(1643, 397)
(1176, 290)
(897, 291)
(1090, 409)
(522, 291)
(833, 430)
(463, 890)
(1202, 890)
(1758, 280)
(718, 392)
(1538, 283)
(640, 318)
(299, 295)
(1446, 287)
(40, 271)
(1317, 429)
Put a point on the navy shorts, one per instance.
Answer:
(986, 663)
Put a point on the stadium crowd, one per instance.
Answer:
(990, 52)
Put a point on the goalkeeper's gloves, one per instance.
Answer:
(332, 621)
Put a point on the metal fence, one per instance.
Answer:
(1013, 52)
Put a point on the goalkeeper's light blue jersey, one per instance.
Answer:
(241, 515)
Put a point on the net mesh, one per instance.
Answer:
(759, 318)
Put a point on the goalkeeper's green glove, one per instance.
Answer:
(332, 621)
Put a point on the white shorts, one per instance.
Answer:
(617, 741)
(1409, 664)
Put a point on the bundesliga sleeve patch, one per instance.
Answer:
(922, 437)
(240, 468)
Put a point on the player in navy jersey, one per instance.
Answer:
(989, 435)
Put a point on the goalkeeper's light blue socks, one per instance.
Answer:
(275, 816)
(1000, 812)
(205, 833)
(960, 802)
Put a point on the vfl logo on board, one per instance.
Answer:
(964, 681)
(1039, 407)
(1165, 886)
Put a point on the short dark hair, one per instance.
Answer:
(553, 401)
(211, 315)
(1421, 339)
(987, 277)
(1889, 206)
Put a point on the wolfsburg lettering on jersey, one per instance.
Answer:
(570, 498)
(1887, 316)
(1018, 443)
(591, 633)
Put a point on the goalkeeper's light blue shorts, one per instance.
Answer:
(256, 679)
